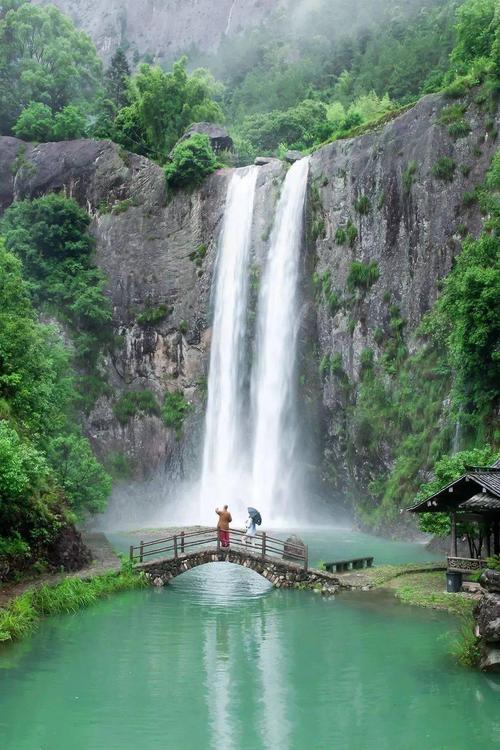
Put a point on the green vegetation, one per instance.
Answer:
(427, 590)
(135, 402)
(175, 410)
(409, 405)
(46, 66)
(362, 275)
(152, 315)
(192, 160)
(50, 236)
(362, 205)
(198, 255)
(444, 169)
(47, 470)
(408, 175)
(22, 616)
(466, 646)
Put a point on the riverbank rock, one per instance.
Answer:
(487, 616)
(490, 580)
(68, 550)
(293, 546)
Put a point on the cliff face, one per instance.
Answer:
(408, 224)
(163, 28)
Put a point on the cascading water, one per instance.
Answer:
(224, 454)
(276, 429)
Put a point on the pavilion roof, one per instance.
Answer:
(478, 481)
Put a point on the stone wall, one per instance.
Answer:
(487, 616)
(279, 573)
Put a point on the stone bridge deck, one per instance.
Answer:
(280, 573)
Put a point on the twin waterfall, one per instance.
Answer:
(251, 433)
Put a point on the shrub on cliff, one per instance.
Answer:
(192, 160)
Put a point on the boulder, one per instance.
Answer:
(261, 161)
(488, 617)
(219, 138)
(490, 659)
(290, 550)
(490, 580)
(292, 156)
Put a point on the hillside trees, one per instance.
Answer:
(41, 484)
(44, 59)
(162, 106)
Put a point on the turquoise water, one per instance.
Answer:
(220, 660)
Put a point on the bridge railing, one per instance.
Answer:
(185, 542)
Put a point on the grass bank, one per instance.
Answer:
(23, 614)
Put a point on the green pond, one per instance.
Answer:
(220, 660)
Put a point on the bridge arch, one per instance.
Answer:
(280, 573)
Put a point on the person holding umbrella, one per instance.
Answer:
(254, 519)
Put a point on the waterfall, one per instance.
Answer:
(224, 454)
(276, 429)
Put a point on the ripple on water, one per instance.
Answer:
(221, 584)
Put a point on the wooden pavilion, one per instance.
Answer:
(474, 498)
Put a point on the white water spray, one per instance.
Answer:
(224, 452)
(276, 429)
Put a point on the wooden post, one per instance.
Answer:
(488, 540)
(496, 538)
(263, 544)
(175, 546)
(306, 558)
(182, 542)
(131, 553)
(453, 550)
(141, 551)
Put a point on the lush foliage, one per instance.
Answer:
(174, 411)
(135, 402)
(191, 161)
(44, 60)
(161, 107)
(47, 470)
(23, 614)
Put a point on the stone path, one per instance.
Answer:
(104, 560)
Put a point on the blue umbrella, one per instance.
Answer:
(255, 515)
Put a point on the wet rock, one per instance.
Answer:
(292, 156)
(219, 138)
(261, 161)
(490, 580)
(293, 546)
(490, 659)
(488, 617)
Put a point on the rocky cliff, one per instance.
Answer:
(162, 28)
(158, 249)
(393, 212)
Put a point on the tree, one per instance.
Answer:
(116, 79)
(477, 27)
(162, 106)
(192, 160)
(84, 480)
(69, 124)
(43, 58)
(35, 123)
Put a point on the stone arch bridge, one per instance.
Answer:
(283, 564)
